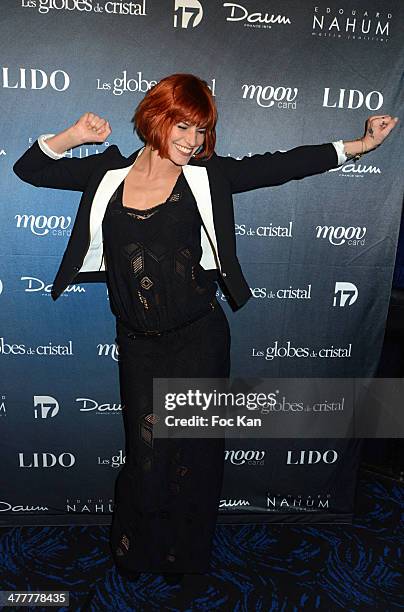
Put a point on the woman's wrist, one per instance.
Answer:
(357, 148)
(62, 142)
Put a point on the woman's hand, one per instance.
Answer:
(378, 127)
(91, 128)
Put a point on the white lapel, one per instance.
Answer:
(94, 260)
(197, 178)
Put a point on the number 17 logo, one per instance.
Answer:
(187, 13)
(345, 294)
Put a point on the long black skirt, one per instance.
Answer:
(168, 491)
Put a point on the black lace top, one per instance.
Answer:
(152, 256)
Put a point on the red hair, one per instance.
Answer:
(176, 98)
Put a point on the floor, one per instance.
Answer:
(255, 568)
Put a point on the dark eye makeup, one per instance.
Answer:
(185, 126)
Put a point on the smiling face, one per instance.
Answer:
(184, 139)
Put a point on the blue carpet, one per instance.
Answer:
(255, 568)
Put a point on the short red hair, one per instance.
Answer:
(176, 98)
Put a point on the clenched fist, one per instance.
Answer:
(91, 128)
(378, 127)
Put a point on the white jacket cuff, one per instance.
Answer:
(46, 148)
(339, 147)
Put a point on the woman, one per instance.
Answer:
(160, 223)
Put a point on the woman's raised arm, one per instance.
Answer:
(44, 164)
(269, 169)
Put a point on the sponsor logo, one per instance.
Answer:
(283, 405)
(6, 507)
(310, 457)
(352, 170)
(337, 235)
(233, 503)
(108, 350)
(34, 78)
(93, 506)
(49, 350)
(269, 95)
(48, 406)
(187, 13)
(46, 460)
(2, 152)
(36, 285)
(123, 84)
(238, 12)
(41, 225)
(1, 286)
(3, 410)
(138, 84)
(298, 503)
(289, 293)
(265, 231)
(83, 151)
(242, 457)
(352, 99)
(136, 9)
(288, 350)
(345, 294)
(91, 405)
(337, 406)
(351, 24)
(114, 7)
(115, 461)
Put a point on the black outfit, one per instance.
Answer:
(167, 493)
(155, 281)
(226, 176)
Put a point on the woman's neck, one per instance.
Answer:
(152, 166)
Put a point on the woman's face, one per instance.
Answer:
(184, 139)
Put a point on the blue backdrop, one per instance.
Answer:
(289, 74)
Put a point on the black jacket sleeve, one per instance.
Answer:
(37, 168)
(269, 169)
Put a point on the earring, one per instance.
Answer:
(199, 149)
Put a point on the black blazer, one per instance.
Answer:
(213, 187)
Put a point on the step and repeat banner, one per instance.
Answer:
(318, 253)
